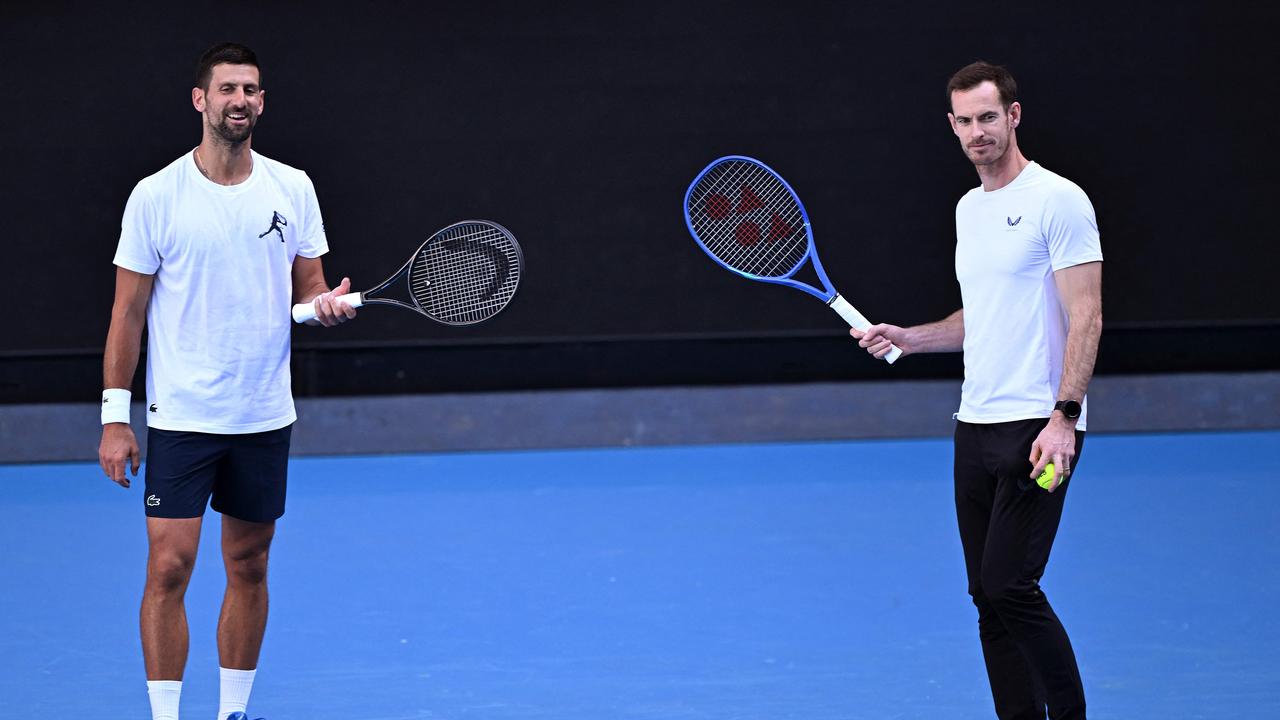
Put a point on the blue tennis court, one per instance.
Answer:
(771, 581)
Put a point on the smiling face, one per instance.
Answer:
(983, 124)
(232, 102)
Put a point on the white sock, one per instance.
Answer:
(164, 696)
(234, 696)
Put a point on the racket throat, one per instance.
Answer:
(398, 297)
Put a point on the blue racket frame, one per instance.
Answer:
(811, 252)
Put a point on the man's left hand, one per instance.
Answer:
(1055, 444)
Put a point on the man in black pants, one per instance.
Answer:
(1029, 262)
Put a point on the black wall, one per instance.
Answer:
(579, 126)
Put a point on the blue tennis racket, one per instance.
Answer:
(749, 220)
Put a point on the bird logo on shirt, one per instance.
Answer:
(1012, 222)
(276, 221)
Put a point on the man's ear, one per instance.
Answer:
(198, 99)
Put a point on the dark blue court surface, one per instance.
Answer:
(804, 581)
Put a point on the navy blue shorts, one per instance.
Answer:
(244, 474)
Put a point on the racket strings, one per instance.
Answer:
(749, 220)
(465, 275)
(747, 251)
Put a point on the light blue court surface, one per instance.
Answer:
(805, 581)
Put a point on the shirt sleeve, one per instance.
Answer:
(312, 242)
(1072, 229)
(137, 249)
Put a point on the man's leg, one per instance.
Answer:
(250, 495)
(179, 479)
(1014, 689)
(1024, 523)
(172, 555)
(243, 621)
(245, 547)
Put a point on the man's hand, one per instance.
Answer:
(330, 310)
(880, 339)
(118, 445)
(1056, 443)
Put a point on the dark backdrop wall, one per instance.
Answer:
(579, 125)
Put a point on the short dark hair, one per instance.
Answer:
(974, 74)
(226, 53)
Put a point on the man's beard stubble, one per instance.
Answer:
(234, 136)
(994, 157)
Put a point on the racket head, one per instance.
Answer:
(748, 219)
(465, 273)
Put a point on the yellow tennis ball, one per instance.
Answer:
(1046, 477)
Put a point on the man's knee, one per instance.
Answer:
(1003, 593)
(247, 566)
(245, 546)
(169, 571)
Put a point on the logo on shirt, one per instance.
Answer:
(152, 501)
(153, 408)
(1013, 222)
(277, 220)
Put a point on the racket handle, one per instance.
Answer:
(302, 312)
(856, 320)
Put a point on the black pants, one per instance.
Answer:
(1007, 525)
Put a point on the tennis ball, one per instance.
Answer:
(1046, 477)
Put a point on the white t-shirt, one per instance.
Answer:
(218, 320)
(1009, 242)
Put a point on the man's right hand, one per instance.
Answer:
(331, 311)
(118, 445)
(880, 339)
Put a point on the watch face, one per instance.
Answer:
(1070, 408)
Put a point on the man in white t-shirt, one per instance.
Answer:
(214, 250)
(1029, 262)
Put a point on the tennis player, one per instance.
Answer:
(1029, 262)
(214, 249)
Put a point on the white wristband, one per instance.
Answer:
(115, 405)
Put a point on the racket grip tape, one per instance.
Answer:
(858, 321)
(302, 312)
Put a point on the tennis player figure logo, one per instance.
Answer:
(276, 221)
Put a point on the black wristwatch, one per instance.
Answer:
(1070, 408)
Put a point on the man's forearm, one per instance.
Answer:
(310, 292)
(946, 335)
(120, 358)
(1081, 354)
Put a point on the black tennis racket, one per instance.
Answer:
(464, 274)
(750, 221)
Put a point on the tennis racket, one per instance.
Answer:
(464, 274)
(749, 220)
